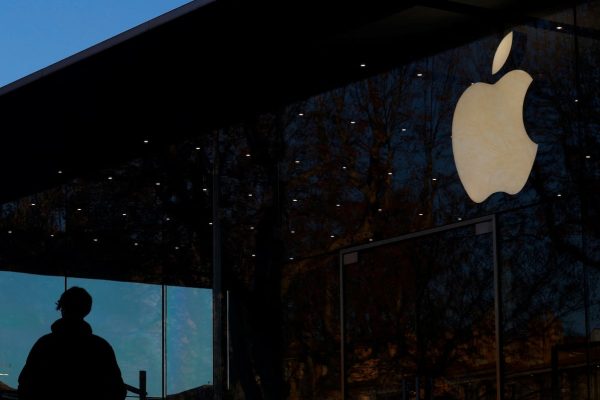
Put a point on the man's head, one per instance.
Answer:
(74, 303)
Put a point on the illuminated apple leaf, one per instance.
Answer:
(502, 53)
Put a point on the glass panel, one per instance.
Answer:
(189, 338)
(420, 320)
(543, 292)
(28, 308)
(129, 316)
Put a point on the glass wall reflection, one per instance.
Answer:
(419, 318)
(189, 338)
(130, 316)
(27, 309)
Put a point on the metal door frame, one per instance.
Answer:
(497, 290)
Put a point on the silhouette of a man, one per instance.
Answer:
(71, 362)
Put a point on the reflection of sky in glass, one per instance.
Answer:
(27, 309)
(128, 315)
(189, 338)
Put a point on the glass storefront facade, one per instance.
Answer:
(163, 330)
(372, 161)
(432, 303)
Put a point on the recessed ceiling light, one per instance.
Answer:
(352, 122)
(210, 223)
(389, 173)
(459, 218)
(419, 74)
(559, 28)
(291, 258)
(559, 195)
(60, 172)
(434, 179)
(331, 236)
(380, 209)
(300, 114)
(176, 247)
(294, 200)
(253, 255)
(251, 228)
(403, 129)
(588, 157)
(198, 148)
(338, 205)
(249, 194)
(421, 214)
(157, 183)
(363, 65)
(247, 154)
(79, 209)
(145, 141)
(370, 239)
(10, 232)
(297, 161)
(124, 214)
(95, 239)
(292, 231)
(168, 219)
(204, 189)
(136, 243)
(576, 100)
(52, 235)
(110, 178)
(32, 204)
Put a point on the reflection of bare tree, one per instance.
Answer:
(436, 321)
(140, 222)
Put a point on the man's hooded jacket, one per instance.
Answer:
(71, 363)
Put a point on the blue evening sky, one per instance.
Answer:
(38, 33)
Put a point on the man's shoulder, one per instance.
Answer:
(100, 341)
(44, 340)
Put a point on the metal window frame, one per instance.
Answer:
(427, 232)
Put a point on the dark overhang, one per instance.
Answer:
(206, 66)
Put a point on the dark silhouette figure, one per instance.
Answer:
(71, 362)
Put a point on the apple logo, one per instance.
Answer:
(492, 150)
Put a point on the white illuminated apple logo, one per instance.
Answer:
(492, 150)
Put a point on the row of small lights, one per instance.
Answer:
(60, 171)
(252, 227)
(110, 178)
(96, 240)
(294, 200)
(297, 162)
(419, 74)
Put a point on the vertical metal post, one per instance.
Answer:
(227, 341)
(217, 275)
(164, 344)
(498, 312)
(143, 391)
(555, 374)
(430, 384)
(342, 330)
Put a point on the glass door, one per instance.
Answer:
(419, 315)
